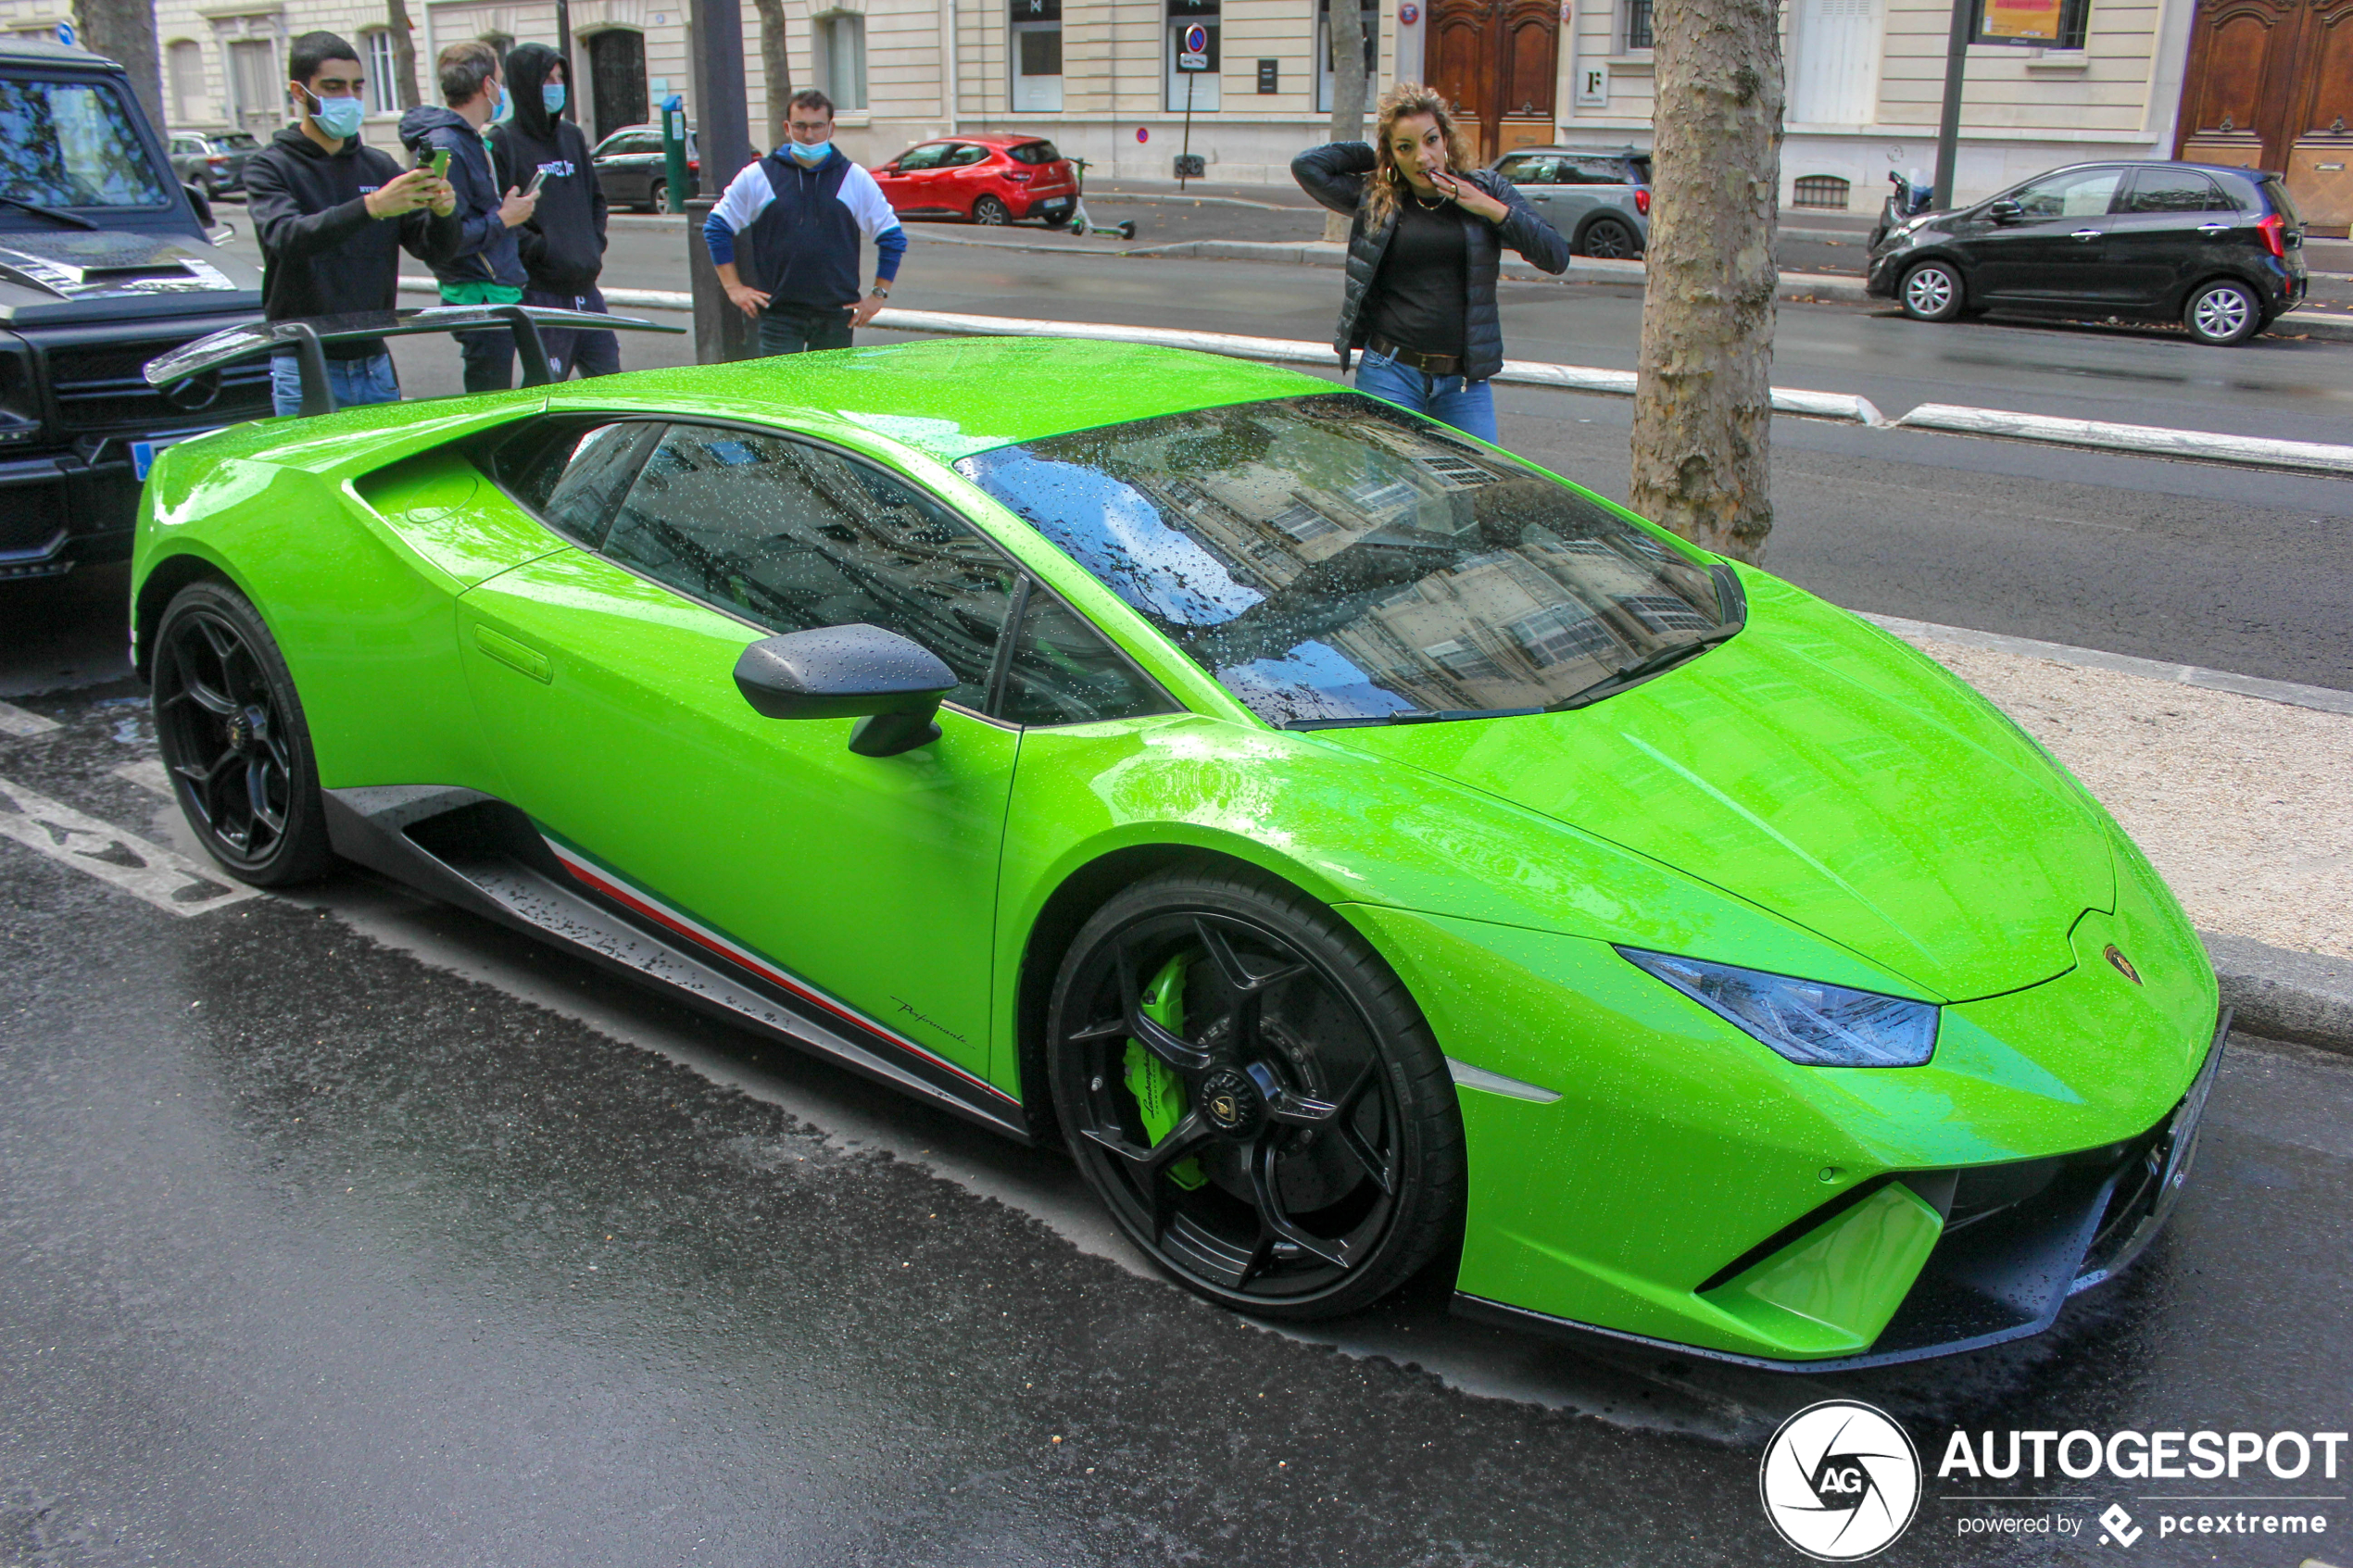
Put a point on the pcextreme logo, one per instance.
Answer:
(1839, 1481)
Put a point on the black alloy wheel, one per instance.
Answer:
(1611, 240)
(234, 740)
(1254, 1095)
(1932, 291)
(658, 196)
(2224, 313)
(991, 211)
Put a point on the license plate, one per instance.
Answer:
(142, 453)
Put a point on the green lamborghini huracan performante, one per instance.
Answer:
(1361, 849)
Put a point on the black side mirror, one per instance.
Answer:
(198, 199)
(2004, 211)
(893, 685)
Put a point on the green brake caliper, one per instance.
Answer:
(1160, 1094)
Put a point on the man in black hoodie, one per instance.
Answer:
(563, 243)
(332, 215)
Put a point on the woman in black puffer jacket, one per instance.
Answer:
(1423, 255)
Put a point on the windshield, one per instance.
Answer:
(73, 144)
(1331, 558)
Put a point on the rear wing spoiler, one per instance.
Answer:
(307, 338)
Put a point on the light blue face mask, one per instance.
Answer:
(501, 108)
(552, 94)
(338, 118)
(810, 155)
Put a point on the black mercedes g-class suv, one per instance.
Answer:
(105, 263)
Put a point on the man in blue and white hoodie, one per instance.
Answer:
(801, 210)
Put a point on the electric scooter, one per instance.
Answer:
(1908, 201)
(1080, 223)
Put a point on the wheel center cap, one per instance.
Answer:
(238, 732)
(1232, 1103)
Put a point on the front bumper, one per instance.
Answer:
(2013, 1243)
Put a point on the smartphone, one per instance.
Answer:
(538, 177)
(441, 164)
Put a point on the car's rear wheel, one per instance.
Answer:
(1932, 291)
(1610, 239)
(658, 196)
(1254, 1095)
(2224, 313)
(234, 740)
(991, 211)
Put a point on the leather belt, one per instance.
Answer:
(1427, 364)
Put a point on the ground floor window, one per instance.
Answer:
(1183, 16)
(191, 105)
(1638, 25)
(839, 46)
(1037, 54)
(383, 72)
(1327, 58)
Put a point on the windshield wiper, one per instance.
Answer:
(54, 214)
(1411, 716)
(1652, 663)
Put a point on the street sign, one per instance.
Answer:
(1195, 54)
(65, 34)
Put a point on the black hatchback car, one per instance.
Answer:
(2218, 250)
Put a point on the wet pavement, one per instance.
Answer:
(347, 1229)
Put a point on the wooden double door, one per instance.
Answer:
(1497, 62)
(2269, 85)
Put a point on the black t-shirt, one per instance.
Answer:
(1422, 292)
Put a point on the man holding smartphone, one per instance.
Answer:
(332, 215)
(563, 243)
(486, 266)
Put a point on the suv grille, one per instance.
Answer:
(101, 387)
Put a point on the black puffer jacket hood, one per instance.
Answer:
(1336, 175)
(563, 244)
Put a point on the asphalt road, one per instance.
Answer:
(345, 1229)
(2197, 564)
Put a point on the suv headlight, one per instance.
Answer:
(1810, 1021)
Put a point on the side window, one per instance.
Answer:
(1064, 672)
(925, 157)
(1593, 171)
(2083, 193)
(965, 156)
(572, 472)
(2174, 190)
(792, 537)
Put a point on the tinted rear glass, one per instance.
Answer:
(235, 142)
(73, 143)
(1033, 152)
(2284, 205)
(1330, 556)
(1641, 169)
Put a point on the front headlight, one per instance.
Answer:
(1811, 1022)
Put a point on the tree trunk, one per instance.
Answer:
(778, 65)
(1347, 29)
(124, 30)
(404, 53)
(1703, 402)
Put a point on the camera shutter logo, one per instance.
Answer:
(1839, 1481)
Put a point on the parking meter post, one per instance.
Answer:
(723, 334)
(673, 152)
(1948, 129)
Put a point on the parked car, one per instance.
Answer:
(212, 161)
(988, 178)
(2220, 250)
(633, 172)
(1599, 199)
(1358, 848)
(106, 262)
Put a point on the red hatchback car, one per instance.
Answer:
(987, 178)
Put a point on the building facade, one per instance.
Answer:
(1102, 77)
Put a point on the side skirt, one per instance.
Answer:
(487, 857)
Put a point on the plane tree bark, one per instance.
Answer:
(124, 30)
(404, 53)
(1702, 399)
(776, 65)
(1347, 29)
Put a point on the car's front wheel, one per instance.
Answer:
(234, 740)
(991, 211)
(2224, 313)
(658, 196)
(1932, 291)
(1254, 1095)
(1611, 240)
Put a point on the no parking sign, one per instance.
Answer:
(1195, 54)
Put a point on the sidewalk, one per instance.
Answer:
(2244, 806)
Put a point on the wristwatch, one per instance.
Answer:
(881, 293)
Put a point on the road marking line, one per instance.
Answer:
(143, 870)
(17, 721)
(149, 774)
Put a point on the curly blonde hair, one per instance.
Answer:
(1403, 102)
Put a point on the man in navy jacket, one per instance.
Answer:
(802, 209)
(487, 268)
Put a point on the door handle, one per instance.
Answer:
(2084, 235)
(2214, 231)
(513, 654)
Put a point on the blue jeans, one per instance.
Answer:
(355, 381)
(1469, 407)
(799, 329)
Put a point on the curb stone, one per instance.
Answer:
(2284, 995)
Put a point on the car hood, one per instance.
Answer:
(41, 271)
(1817, 768)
